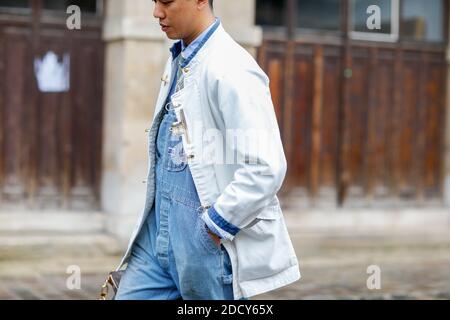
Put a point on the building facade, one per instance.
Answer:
(363, 111)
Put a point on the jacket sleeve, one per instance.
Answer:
(245, 104)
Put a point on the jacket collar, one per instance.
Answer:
(177, 47)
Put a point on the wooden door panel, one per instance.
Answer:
(50, 143)
(15, 115)
(381, 97)
(406, 120)
(434, 128)
(329, 123)
(392, 147)
(301, 116)
(311, 87)
(355, 129)
(274, 60)
(50, 125)
(86, 131)
(2, 117)
(392, 126)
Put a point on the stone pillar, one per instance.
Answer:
(239, 21)
(136, 52)
(447, 132)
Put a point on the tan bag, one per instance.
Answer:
(113, 280)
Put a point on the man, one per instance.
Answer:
(210, 229)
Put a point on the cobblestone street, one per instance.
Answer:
(333, 266)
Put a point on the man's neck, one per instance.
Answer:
(199, 30)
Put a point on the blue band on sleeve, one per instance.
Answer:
(221, 222)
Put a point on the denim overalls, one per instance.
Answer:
(174, 257)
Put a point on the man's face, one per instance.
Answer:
(176, 17)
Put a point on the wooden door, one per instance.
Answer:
(362, 121)
(50, 142)
(394, 129)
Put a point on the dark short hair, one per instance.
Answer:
(211, 4)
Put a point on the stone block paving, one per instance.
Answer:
(333, 266)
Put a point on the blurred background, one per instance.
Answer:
(363, 115)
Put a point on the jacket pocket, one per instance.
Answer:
(176, 159)
(268, 213)
(264, 247)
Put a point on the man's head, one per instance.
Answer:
(183, 19)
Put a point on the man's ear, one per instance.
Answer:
(202, 4)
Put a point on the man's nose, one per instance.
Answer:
(157, 12)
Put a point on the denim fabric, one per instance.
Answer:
(178, 46)
(187, 51)
(174, 256)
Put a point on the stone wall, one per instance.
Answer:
(446, 166)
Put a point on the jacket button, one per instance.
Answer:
(147, 130)
(186, 70)
(165, 79)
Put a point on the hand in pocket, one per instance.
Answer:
(214, 237)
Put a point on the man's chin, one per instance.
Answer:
(172, 36)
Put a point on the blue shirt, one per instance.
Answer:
(187, 51)
(191, 50)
